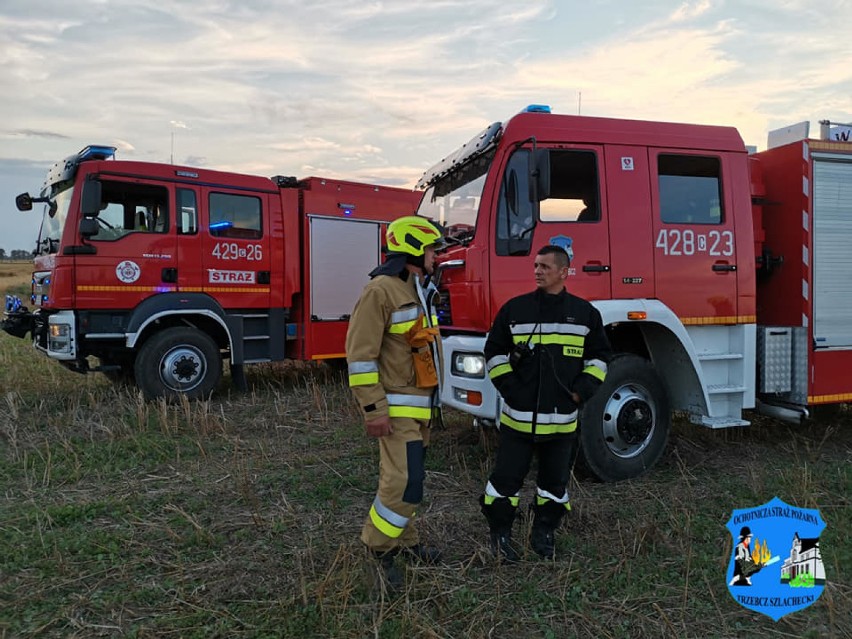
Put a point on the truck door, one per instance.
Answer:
(574, 216)
(235, 255)
(190, 246)
(135, 247)
(631, 236)
(694, 243)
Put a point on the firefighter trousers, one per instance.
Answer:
(555, 454)
(389, 524)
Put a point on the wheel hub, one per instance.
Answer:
(635, 421)
(628, 420)
(183, 368)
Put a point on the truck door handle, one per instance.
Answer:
(724, 267)
(169, 275)
(596, 268)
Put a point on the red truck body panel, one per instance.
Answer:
(787, 296)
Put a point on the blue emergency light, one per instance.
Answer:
(96, 152)
(537, 108)
(219, 226)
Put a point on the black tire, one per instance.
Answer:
(178, 361)
(625, 426)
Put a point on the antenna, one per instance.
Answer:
(579, 102)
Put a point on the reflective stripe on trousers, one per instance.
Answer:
(387, 520)
(546, 423)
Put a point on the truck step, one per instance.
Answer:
(718, 422)
(724, 389)
(709, 357)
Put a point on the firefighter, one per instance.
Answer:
(547, 354)
(744, 564)
(393, 354)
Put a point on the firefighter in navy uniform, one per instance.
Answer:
(547, 353)
(393, 352)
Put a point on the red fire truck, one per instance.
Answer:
(160, 271)
(724, 279)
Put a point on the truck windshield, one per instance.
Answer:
(454, 199)
(53, 219)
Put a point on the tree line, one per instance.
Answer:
(17, 254)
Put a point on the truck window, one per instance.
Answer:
(236, 216)
(131, 208)
(690, 189)
(515, 222)
(573, 188)
(187, 220)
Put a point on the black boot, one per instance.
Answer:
(419, 553)
(393, 575)
(500, 514)
(546, 518)
(502, 545)
(541, 540)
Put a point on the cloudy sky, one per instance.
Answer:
(379, 90)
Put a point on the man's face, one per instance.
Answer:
(429, 259)
(549, 277)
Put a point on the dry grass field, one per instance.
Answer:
(239, 517)
(15, 277)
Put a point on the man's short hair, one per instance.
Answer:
(560, 255)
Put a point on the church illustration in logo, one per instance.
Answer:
(804, 566)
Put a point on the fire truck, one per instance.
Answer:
(154, 273)
(724, 278)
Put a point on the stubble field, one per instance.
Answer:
(239, 517)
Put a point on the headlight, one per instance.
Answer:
(59, 338)
(469, 364)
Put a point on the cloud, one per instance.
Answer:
(30, 133)
(690, 10)
(124, 145)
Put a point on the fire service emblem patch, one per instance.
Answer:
(775, 567)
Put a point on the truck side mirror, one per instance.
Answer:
(90, 201)
(539, 175)
(24, 202)
(89, 227)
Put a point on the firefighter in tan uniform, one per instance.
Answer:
(393, 355)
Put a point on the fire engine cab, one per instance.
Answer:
(159, 271)
(723, 278)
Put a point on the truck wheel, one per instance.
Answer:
(625, 426)
(178, 361)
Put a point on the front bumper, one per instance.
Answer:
(54, 334)
(468, 392)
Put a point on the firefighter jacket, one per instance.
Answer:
(379, 350)
(560, 345)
